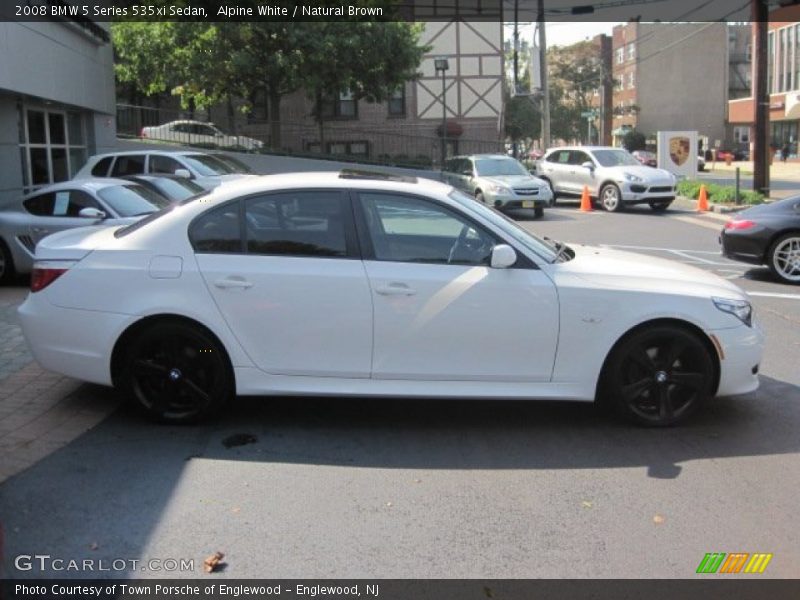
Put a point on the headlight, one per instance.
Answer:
(631, 177)
(741, 309)
(499, 189)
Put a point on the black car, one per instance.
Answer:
(768, 234)
(172, 187)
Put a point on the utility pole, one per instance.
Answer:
(543, 77)
(516, 61)
(759, 15)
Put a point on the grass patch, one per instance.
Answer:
(721, 194)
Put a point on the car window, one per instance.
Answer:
(577, 157)
(615, 158)
(234, 163)
(208, 165)
(490, 167)
(68, 203)
(132, 199)
(205, 130)
(129, 164)
(176, 189)
(41, 205)
(451, 165)
(561, 156)
(181, 128)
(410, 229)
(217, 231)
(164, 164)
(297, 224)
(101, 168)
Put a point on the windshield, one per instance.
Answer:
(543, 248)
(177, 189)
(132, 200)
(208, 165)
(235, 163)
(615, 158)
(490, 167)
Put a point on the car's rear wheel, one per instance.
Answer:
(660, 206)
(659, 376)
(610, 198)
(177, 373)
(6, 264)
(784, 257)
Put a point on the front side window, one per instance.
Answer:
(410, 229)
(578, 157)
(304, 223)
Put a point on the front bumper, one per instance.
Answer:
(741, 353)
(541, 199)
(633, 192)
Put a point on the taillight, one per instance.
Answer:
(739, 224)
(41, 277)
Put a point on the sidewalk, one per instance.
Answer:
(786, 171)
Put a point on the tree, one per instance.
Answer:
(634, 140)
(575, 73)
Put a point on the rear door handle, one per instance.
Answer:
(39, 230)
(233, 282)
(395, 289)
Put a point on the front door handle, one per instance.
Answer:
(39, 230)
(233, 282)
(395, 289)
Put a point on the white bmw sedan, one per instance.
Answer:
(374, 285)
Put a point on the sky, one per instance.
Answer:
(562, 33)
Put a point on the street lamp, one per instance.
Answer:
(442, 65)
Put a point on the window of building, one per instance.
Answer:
(772, 62)
(397, 102)
(781, 58)
(631, 80)
(620, 52)
(343, 106)
(631, 51)
(741, 134)
(52, 145)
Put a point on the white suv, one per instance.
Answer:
(613, 176)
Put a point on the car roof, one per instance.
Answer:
(187, 121)
(151, 151)
(485, 155)
(583, 148)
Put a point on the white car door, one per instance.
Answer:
(287, 279)
(441, 313)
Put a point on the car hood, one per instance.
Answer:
(514, 180)
(645, 172)
(606, 267)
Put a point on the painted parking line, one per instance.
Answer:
(687, 256)
(699, 222)
(774, 295)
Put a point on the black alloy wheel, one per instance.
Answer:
(659, 376)
(177, 373)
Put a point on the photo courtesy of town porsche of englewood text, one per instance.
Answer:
(399, 299)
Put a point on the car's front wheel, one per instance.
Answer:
(177, 373)
(611, 198)
(6, 264)
(538, 212)
(784, 257)
(658, 376)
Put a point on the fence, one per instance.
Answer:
(393, 145)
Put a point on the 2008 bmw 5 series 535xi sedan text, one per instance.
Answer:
(364, 284)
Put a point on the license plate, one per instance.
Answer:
(528, 203)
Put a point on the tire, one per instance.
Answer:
(660, 206)
(538, 212)
(657, 377)
(177, 373)
(7, 271)
(784, 257)
(610, 198)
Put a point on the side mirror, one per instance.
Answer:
(91, 213)
(183, 173)
(503, 256)
(588, 165)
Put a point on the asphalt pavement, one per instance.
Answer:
(309, 487)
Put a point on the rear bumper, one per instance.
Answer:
(77, 343)
(742, 349)
(745, 248)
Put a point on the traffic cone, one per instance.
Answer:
(702, 200)
(586, 201)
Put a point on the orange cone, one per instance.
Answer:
(702, 200)
(586, 201)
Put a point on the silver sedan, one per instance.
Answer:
(64, 206)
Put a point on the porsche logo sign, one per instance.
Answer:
(679, 149)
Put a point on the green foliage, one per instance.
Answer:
(634, 140)
(722, 194)
(574, 73)
(522, 119)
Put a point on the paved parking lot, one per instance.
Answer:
(356, 488)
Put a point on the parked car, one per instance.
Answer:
(172, 187)
(648, 159)
(498, 181)
(613, 176)
(206, 170)
(377, 285)
(64, 206)
(197, 133)
(767, 234)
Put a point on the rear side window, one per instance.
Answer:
(64, 203)
(218, 231)
(297, 224)
(164, 164)
(128, 165)
(41, 205)
(101, 168)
